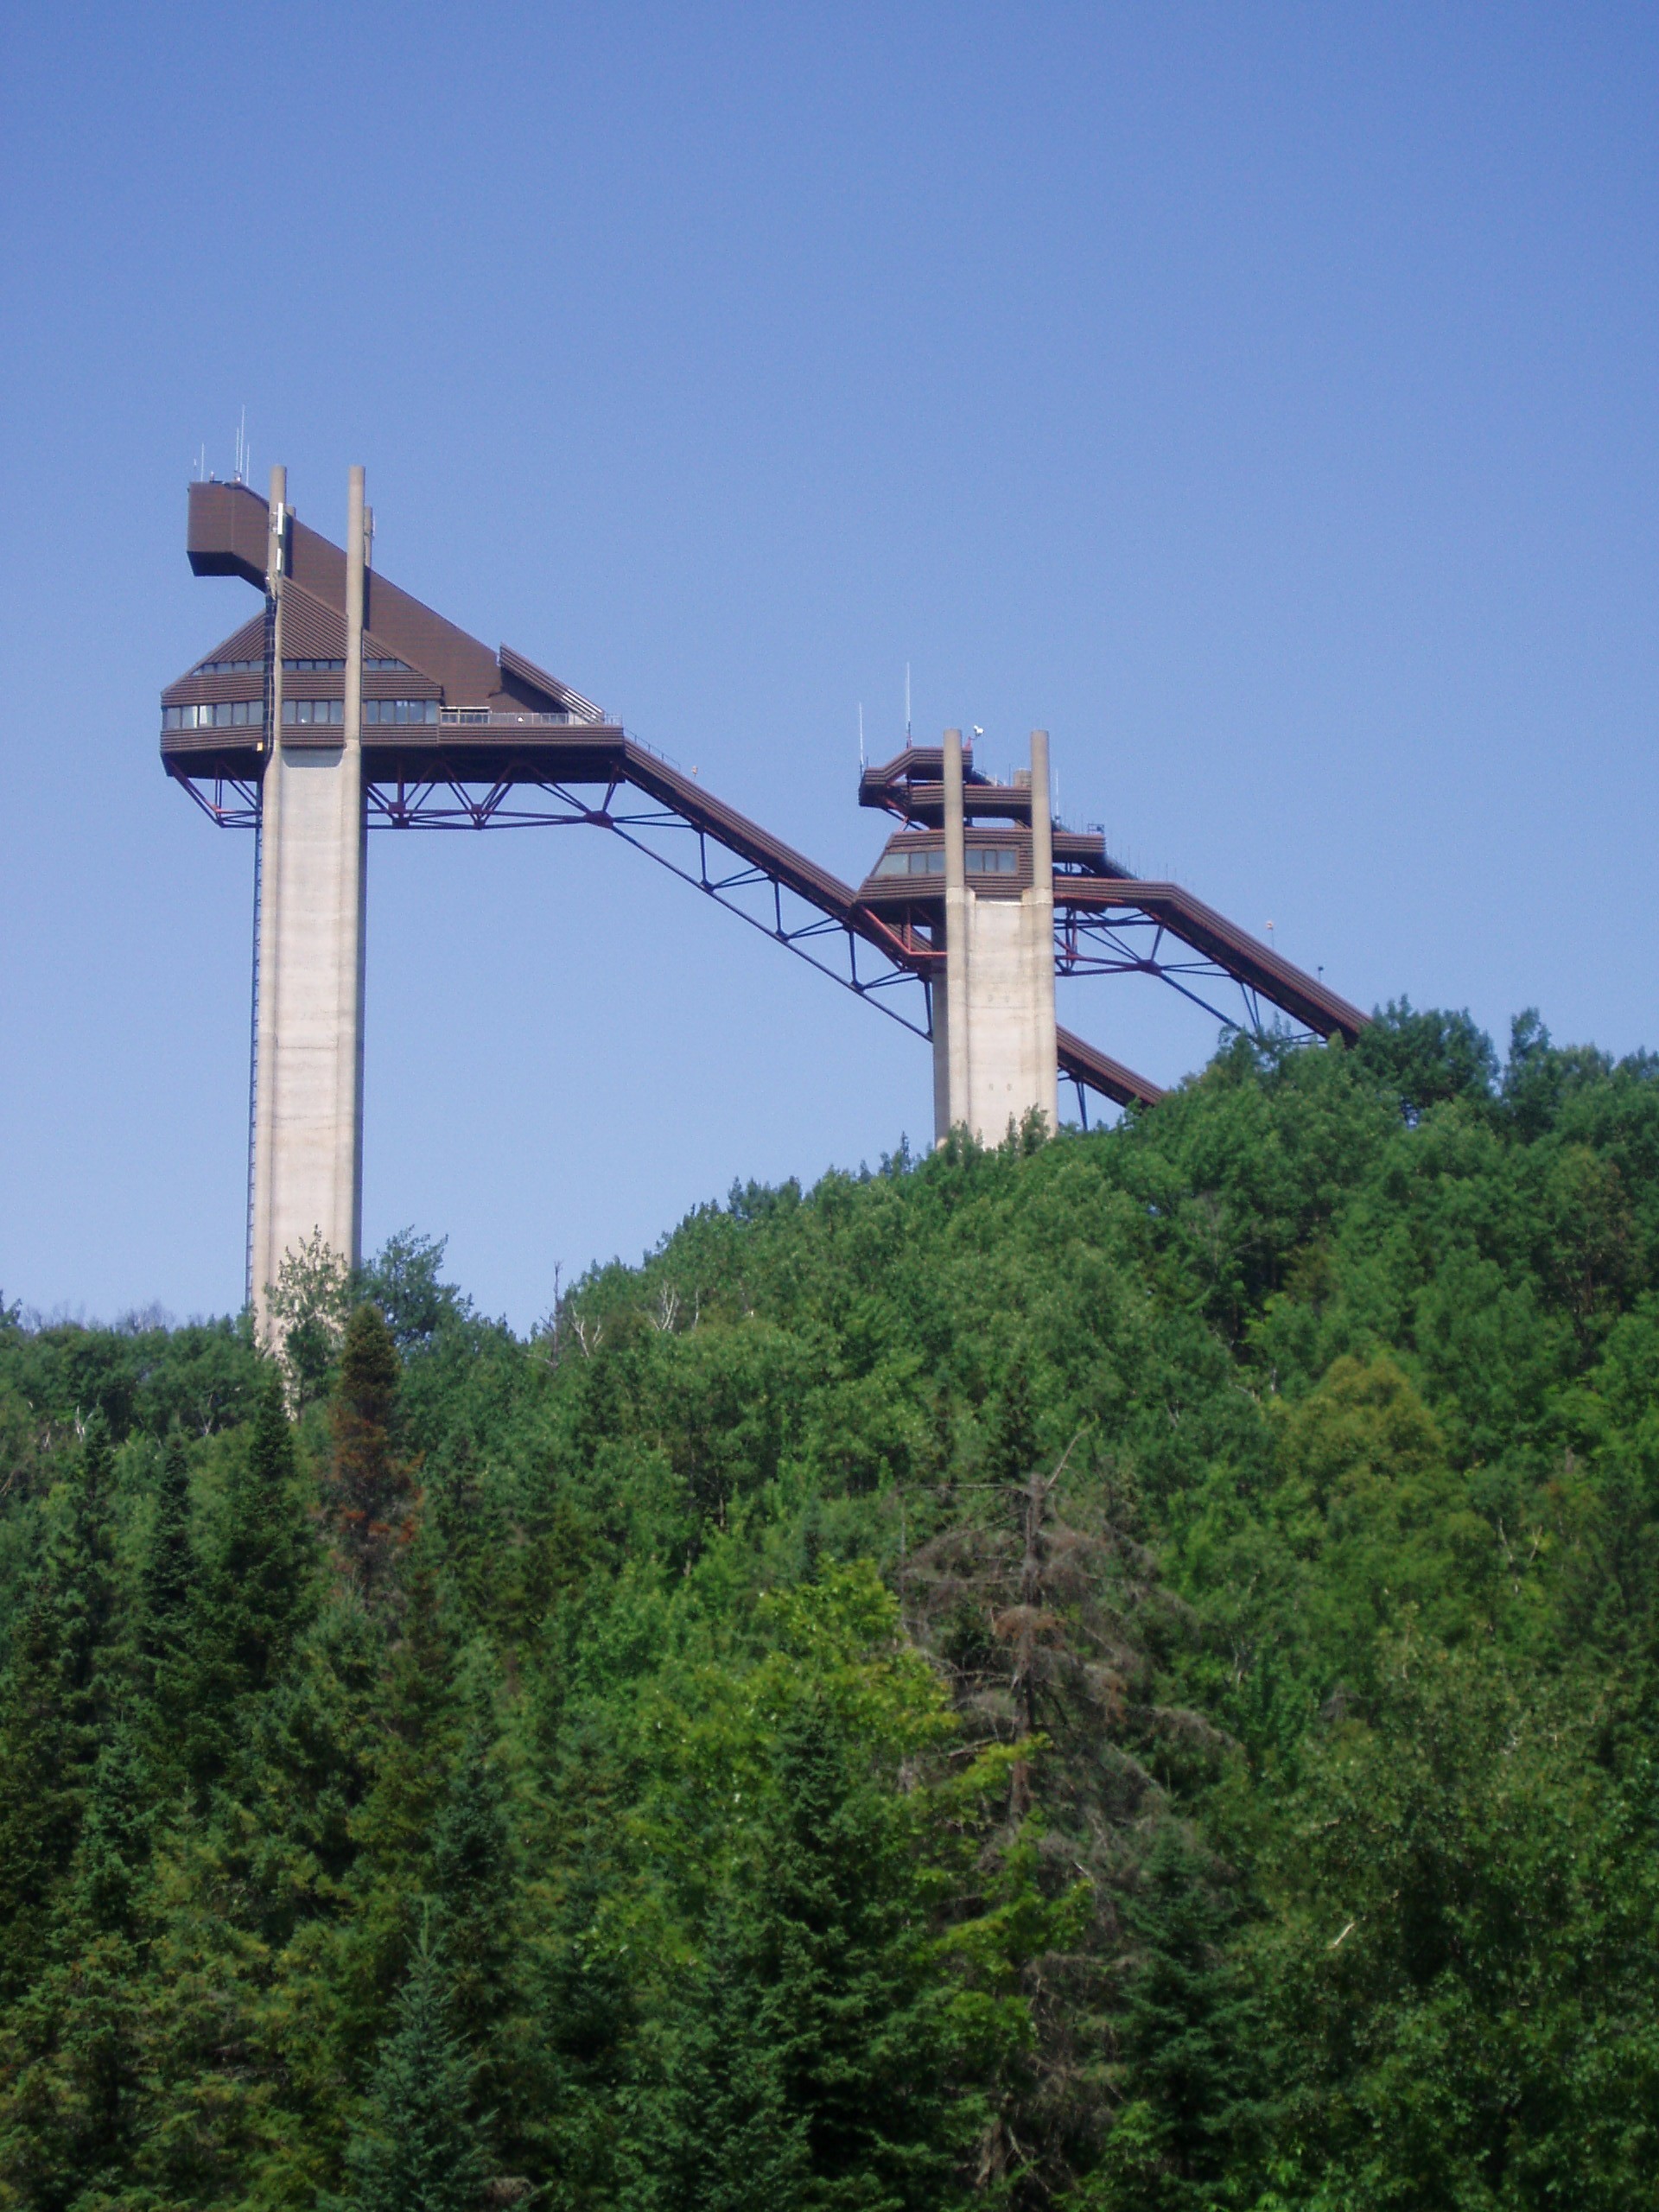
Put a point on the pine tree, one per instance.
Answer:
(813, 2069)
(416, 2148)
(115, 1839)
(474, 1884)
(169, 1562)
(167, 1579)
(258, 1591)
(1187, 2034)
(51, 1705)
(269, 1555)
(371, 1496)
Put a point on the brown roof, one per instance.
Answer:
(228, 538)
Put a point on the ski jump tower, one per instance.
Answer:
(345, 704)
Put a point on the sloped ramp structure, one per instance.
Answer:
(345, 704)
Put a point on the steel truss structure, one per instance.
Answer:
(758, 894)
(457, 737)
(1104, 926)
(1134, 943)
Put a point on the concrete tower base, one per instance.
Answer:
(994, 1050)
(308, 1116)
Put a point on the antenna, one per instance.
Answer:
(906, 702)
(861, 737)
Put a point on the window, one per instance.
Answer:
(304, 711)
(386, 661)
(311, 667)
(902, 862)
(228, 713)
(399, 711)
(982, 859)
(229, 667)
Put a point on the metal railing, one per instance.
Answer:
(494, 718)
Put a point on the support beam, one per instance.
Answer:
(308, 1119)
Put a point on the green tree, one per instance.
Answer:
(52, 1701)
(369, 1494)
(415, 2148)
(813, 2063)
(167, 1579)
(256, 1590)
(1188, 2034)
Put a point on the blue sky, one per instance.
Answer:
(1263, 399)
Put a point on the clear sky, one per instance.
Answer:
(1261, 398)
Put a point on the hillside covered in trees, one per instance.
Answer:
(1115, 1674)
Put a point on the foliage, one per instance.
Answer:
(1116, 1672)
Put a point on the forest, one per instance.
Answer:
(1114, 1674)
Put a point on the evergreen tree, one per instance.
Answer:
(371, 1496)
(257, 1591)
(416, 2147)
(71, 2052)
(474, 1888)
(167, 1581)
(1187, 2035)
(51, 1703)
(115, 1841)
(812, 2069)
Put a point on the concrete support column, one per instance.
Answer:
(1045, 1052)
(270, 877)
(951, 1036)
(349, 1076)
(994, 1046)
(309, 1082)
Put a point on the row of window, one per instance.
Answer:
(303, 667)
(241, 714)
(982, 859)
(400, 710)
(370, 660)
(333, 711)
(227, 714)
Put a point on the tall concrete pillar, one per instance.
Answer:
(950, 1034)
(995, 1055)
(308, 1119)
(1045, 1052)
